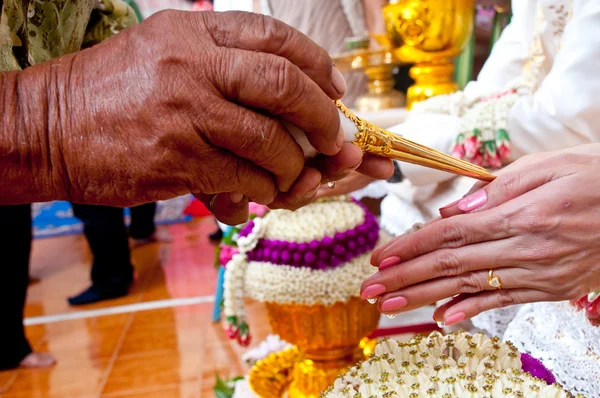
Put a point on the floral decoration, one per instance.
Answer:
(456, 365)
(318, 254)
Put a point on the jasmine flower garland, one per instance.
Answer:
(457, 365)
(318, 254)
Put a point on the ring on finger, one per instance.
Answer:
(494, 281)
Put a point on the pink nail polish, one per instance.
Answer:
(473, 202)
(389, 262)
(394, 304)
(372, 291)
(453, 319)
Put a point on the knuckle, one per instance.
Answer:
(400, 279)
(469, 283)
(270, 30)
(287, 85)
(453, 235)
(448, 264)
(508, 184)
(505, 298)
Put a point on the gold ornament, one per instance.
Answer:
(425, 33)
(327, 339)
(377, 141)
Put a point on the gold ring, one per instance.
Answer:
(211, 204)
(494, 281)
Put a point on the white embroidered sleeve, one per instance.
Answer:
(565, 110)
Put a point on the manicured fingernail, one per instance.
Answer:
(394, 304)
(450, 205)
(389, 262)
(473, 202)
(312, 192)
(453, 319)
(339, 83)
(372, 291)
(340, 138)
(236, 198)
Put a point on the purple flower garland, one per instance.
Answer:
(329, 252)
(536, 368)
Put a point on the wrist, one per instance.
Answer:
(33, 163)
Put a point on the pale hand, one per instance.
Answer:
(537, 226)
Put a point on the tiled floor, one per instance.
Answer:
(173, 352)
(167, 352)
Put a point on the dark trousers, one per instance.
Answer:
(142, 221)
(15, 235)
(105, 231)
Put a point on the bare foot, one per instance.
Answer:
(38, 360)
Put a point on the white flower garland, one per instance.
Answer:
(233, 286)
(270, 345)
(451, 104)
(313, 222)
(248, 243)
(290, 285)
(458, 365)
(489, 116)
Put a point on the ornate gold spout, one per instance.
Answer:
(377, 141)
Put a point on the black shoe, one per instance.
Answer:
(216, 236)
(94, 294)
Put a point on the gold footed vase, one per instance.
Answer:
(427, 34)
(431, 79)
(327, 340)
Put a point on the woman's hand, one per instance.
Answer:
(184, 102)
(537, 227)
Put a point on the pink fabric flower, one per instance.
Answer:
(458, 151)
(471, 147)
(226, 254)
(493, 161)
(477, 159)
(504, 150)
(259, 210)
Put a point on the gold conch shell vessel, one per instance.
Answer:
(378, 141)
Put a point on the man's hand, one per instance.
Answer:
(184, 102)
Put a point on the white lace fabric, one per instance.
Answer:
(495, 322)
(557, 334)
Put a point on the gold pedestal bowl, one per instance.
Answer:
(429, 34)
(327, 340)
(378, 66)
(425, 33)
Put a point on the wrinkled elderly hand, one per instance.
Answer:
(537, 226)
(183, 102)
(347, 185)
